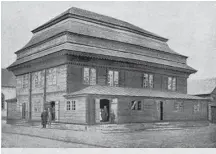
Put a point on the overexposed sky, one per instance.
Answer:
(189, 26)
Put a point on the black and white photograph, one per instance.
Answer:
(108, 74)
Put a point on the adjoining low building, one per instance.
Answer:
(81, 62)
(8, 90)
(205, 88)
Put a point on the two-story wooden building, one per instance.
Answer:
(80, 61)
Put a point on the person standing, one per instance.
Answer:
(44, 116)
(49, 118)
(106, 113)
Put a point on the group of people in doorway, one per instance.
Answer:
(104, 114)
(46, 118)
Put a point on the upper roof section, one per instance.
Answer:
(74, 12)
(8, 78)
(201, 87)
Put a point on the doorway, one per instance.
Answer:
(52, 106)
(23, 110)
(104, 110)
(161, 110)
(213, 114)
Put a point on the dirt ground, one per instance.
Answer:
(17, 136)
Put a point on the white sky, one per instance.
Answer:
(189, 26)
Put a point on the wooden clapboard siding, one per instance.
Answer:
(36, 115)
(133, 79)
(61, 77)
(102, 76)
(187, 113)
(125, 114)
(157, 81)
(75, 116)
(181, 85)
(74, 78)
(40, 87)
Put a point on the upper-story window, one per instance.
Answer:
(148, 80)
(89, 76)
(172, 83)
(38, 79)
(25, 81)
(113, 78)
(51, 76)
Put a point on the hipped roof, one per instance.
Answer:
(133, 92)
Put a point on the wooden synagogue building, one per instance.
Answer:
(80, 63)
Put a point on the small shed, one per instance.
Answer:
(205, 88)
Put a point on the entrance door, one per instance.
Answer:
(105, 110)
(52, 104)
(161, 110)
(213, 114)
(23, 110)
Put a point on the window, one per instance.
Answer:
(25, 81)
(113, 78)
(172, 83)
(136, 105)
(139, 107)
(71, 105)
(133, 105)
(68, 107)
(38, 80)
(148, 80)
(37, 106)
(89, 76)
(178, 106)
(51, 76)
(197, 107)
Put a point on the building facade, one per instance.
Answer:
(205, 88)
(81, 63)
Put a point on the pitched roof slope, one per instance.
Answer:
(8, 78)
(136, 92)
(201, 87)
(102, 18)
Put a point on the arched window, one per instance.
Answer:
(2, 100)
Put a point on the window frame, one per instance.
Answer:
(148, 80)
(179, 106)
(90, 76)
(111, 81)
(52, 76)
(197, 106)
(171, 85)
(70, 105)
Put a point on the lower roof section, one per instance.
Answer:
(133, 92)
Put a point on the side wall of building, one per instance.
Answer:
(150, 110)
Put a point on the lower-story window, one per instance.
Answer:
(178, 106)
(136, 105)
(71, 105)
(197, 107)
